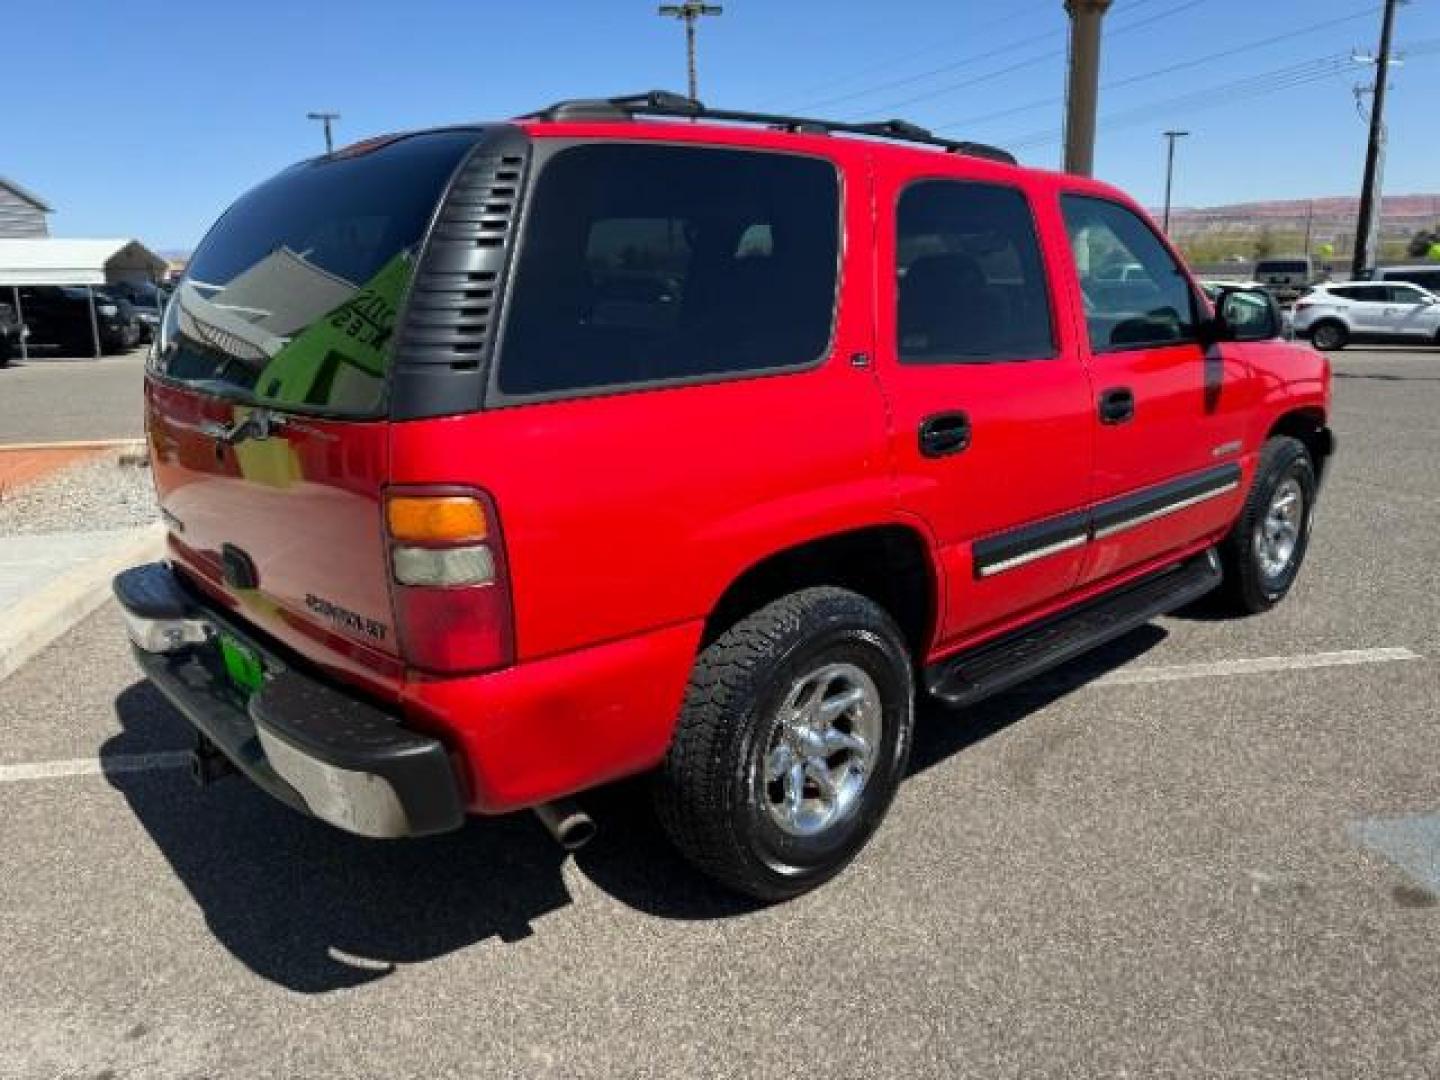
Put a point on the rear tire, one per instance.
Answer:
(1264, 551)
(793, 738)
(1329, 336)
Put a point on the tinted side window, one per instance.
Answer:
(1405, 294)
(1150, 303)
(971, 283)
(644, 264)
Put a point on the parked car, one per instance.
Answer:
(1427, 276)
(1333, 316)
(60, 315)
(145, 299)
(1287, 278)
(11, 334)
(464, 520)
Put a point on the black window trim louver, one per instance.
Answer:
(446, 334)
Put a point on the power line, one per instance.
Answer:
(944, 68)
(988, 54)
(976, 80)
(806, 98)
(973, 121)
(1269, 82)
(1279, 78)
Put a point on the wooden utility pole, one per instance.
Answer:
(326, 118)
(1367, 230)
(1082, 90)
(690, 12)
(1170, 137)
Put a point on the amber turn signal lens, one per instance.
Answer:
(436, 519)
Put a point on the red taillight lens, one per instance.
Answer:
(450, 581)
(455, 630)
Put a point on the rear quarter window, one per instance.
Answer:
(653, 264)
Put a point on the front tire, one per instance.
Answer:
(792, 740)
(1264, 551)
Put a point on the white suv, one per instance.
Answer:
(1392, 312)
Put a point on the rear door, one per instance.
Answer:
(1411, 311)
(1367, 311)
(267, 395)
(990, 407)
(1169, 414)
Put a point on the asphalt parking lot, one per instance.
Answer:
(1212, 850)
(50, 398)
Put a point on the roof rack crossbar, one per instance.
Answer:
(666, 103)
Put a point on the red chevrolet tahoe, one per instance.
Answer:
(502, 461)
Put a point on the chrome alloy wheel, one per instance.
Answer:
(1278, 533)
(820, 753)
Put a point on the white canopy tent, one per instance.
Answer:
(53, 261)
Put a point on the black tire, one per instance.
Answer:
(1329, 336)
(711, 795)
(1250, 587)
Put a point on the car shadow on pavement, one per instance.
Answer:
(314, 909)
(942, 732)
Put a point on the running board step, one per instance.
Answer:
(1000, 664)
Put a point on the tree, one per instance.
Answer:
(1422, 242)
(1265, 243)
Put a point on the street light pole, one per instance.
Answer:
(690, 12)
(325, 118)
(1170, 137)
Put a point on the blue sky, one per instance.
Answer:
(143, 121)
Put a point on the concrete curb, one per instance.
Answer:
(39, 619)
(123, 445)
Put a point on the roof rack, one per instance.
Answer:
(666, 103)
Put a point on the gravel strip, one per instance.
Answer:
(89, 496)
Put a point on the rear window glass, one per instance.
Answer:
(290, 300)
(1282, 267)
(1426, 279)
(649, 264)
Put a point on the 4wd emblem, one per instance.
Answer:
(345, 619)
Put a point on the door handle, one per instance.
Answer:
(1117, 406)
(944, 434)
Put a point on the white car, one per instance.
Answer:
(1390, 312)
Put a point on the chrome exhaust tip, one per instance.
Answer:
(563, 819)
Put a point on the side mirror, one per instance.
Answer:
(1246, 315)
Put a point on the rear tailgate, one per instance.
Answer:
(285, 530)
(268, 397)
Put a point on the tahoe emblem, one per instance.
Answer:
(344, 618)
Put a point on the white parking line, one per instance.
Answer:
(1259, 666)
(120, 763)
(177, 759)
